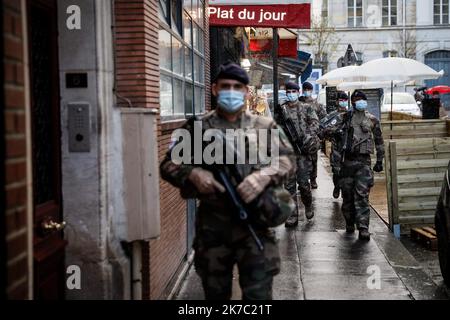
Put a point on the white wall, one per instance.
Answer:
(92, 182)
(424, 12)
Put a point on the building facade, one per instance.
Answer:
(91, 92)
(381, 28)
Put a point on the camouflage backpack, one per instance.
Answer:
(273, 207)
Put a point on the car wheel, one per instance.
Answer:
(443, 250)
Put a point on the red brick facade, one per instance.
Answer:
(137, 76)
(15, 152)
(136, 45)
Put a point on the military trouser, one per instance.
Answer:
(335, 162)
(356, 181)
(301, 177)
(336, 176)
(214, 262)
(314, 159)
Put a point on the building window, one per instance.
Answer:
(441, 11)
(390, 54)
(164, 10)
(354, 13)
(182, 60)
(389, 12)
(325, 9)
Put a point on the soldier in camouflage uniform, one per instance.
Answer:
(305, 117)
(321, 113)
(336, 146)
(356, 176)
(221, 239)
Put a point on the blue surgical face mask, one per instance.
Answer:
(292, 96)
(361, 105)
(308, 94)
(343, 104)
(230, 101)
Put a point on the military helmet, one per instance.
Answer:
(273, 207)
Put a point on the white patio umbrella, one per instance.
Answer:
(396, 69)
(391, 69)
(355, 85)
(339, 75)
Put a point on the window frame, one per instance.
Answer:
(354, 16)
(324, 11)
(389, 16)
(186, 48)
(440, 14)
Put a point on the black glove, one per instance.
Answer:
(378, 166)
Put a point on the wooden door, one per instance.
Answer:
(49, 244)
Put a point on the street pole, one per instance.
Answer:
(275, 67)
(404, 29)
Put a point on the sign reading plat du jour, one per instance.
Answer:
(261, 13)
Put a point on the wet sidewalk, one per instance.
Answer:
(321, 261)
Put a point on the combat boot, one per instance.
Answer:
(364, 234)
(292, 221)
(309, 212)
(350, 228)
(336, 192)
(314, 184)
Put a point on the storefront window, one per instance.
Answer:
(200, 98)
(189, 98)
(187, 24)
(164, 10)
(165, 98)
(182, 65)
(198, 69)
(165, 51)
(177, 49)
(188, 63)
(178, 101)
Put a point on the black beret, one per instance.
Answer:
(359, 94)
(232, 71)
(292, 86)
(307, 86)
(342, 95)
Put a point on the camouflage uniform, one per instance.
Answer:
(356, 175)
(336, 139)
(305, 116)
(221, 240)
(321, 113)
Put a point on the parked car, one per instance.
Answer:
(403, 102)
(442, 223)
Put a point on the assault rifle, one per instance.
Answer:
(294, 135)
(348, 136)
(229, 176)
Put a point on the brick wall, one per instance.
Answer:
(136, 45)
(15, 152)
(137, 85)
(169, 251)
